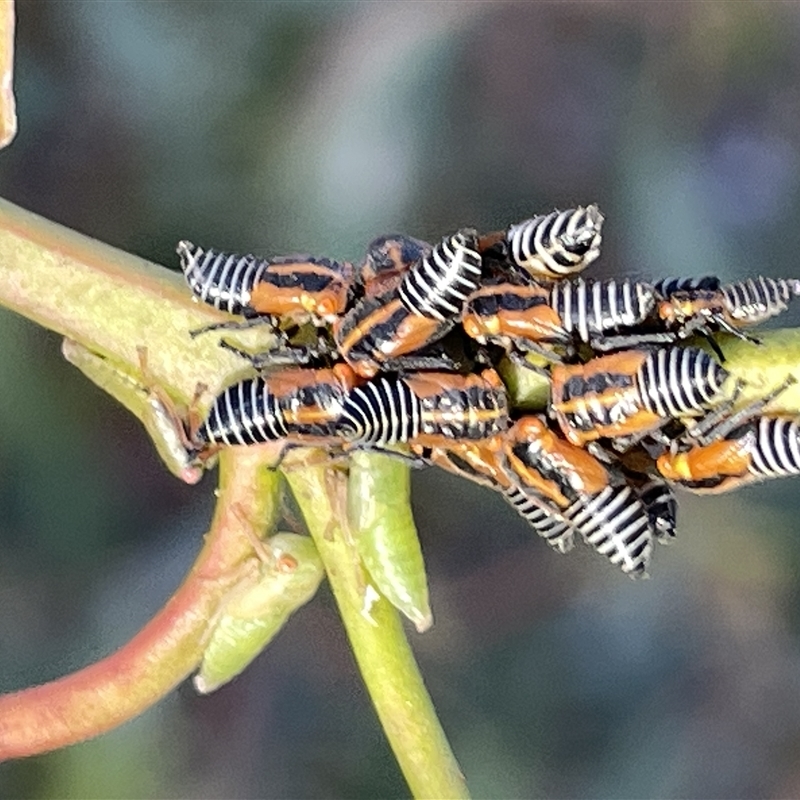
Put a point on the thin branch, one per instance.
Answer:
(381, 649)
(117, 688)
(112, 303)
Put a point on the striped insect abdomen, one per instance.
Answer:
(676, 382)
(427, 409)
(243, 414)
(752, 301)
(223, 280)
(589, 309)
(294, 286)
(303, 405)
(616, 524)
(776, 453)
(556, 245)
(542, 517)
(438, 285)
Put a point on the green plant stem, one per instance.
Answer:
(121, 686)
(378, 640)
(112, 302)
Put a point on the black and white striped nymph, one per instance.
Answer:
(675, 382)
(616, 524)
(228, 281)
(593, 308)
(223, 280)
(558, 244)
(550, 525)
(246, 413)
(746, 302)
(776, 447)
(438, 285)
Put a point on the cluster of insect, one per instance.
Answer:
(403, 350)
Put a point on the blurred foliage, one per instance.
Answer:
(286, 127)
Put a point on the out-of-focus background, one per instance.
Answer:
(286, 127)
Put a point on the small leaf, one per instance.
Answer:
(379, 510)
(268, 594)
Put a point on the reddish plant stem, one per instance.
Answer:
(116, 689)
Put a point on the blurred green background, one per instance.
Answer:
(285, 127)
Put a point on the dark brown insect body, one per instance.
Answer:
(388, 258)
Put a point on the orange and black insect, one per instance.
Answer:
(736, 453)
(634, 392)
(605, 314)
(704, 305)
(595, 502)
(388, 258)
(382, 332)
(299, 288)
(482, 463)
(550, 246)
(427, 409)
(293, 405)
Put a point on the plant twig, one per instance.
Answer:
(8, 110)
(117, 688)
(112, 303)
(376, 634)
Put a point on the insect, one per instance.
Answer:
(634, 392)
(703, 305)
(594, 501)
(294, 405)
(381, 331)
(382, 526)
(745, 447)
(283, 290)
(427, 409)
(300, 287)
(481, 462)
(662, 507)
(563, 313)
(550, 246)
(388, 258)
(141, 395)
